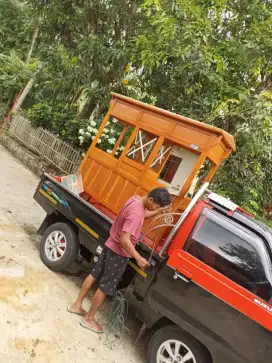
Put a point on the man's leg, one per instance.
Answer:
(89, 319)
(95, 275)
(77, 306)
(113, 270)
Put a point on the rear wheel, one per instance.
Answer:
(59, 246)
(173, 345)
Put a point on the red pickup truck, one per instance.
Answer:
(207, 296)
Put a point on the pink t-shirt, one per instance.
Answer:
(130, 219)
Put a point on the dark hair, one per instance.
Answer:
(160, 196)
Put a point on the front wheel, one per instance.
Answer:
(173, 345)
(59, 246)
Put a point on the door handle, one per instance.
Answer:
(178, 276)
(183, 274)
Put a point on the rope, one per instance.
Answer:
(117, 330)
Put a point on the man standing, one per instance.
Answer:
(120, 246)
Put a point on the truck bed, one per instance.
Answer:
(53, 197)
(94, 225)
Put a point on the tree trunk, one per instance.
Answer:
(88, 108)
(76, 97)
(34, 39)
(23, 95)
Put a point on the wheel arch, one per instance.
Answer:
(165, 322)
(53, 218)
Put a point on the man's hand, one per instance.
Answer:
(142, 263)
(151, 214)
(127, 245)
(166, 209)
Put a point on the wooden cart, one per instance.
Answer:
(155, 148)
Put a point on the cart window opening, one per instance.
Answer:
(142, 147)
(114, 137)
(170, 169)
(162, 157)
(176, 167)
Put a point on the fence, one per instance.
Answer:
(55, 151)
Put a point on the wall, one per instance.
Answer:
(189, 159)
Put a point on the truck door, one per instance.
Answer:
(217, 286)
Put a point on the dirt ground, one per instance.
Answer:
(34, 324)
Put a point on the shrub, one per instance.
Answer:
(14, 75)
(60, 120)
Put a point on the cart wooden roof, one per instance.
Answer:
(178, 128)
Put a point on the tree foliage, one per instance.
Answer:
(246, 176)
(13, 75)
(206, 59)
(15, 26)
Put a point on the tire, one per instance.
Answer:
(188, 345)
(68, 244)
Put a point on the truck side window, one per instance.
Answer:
(233, 251)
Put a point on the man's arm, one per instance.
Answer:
(150, 214)
(127, 245)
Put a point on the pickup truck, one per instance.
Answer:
(207, 295)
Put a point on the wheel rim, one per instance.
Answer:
(174, 351)
(55, 246)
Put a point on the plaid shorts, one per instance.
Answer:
(109, 269)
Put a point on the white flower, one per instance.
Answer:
(99, 141)
(95, 130)
(81, 139)
(109, 151)
(88, 133)
(112, 141)
(93, 123)
(106, 137)
(106, 130)
(114, 120)
(93, 137)
(81, 132)
(89, 128)
(83, 155)
(121, 148)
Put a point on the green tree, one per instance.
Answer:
(246, 175)
(211, 60)
(206, 59)
(14, 75)
(15, 26)
(96, 37)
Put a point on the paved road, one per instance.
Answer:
(34, 324)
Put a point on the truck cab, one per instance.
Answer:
(216, 285)
(207, 294)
